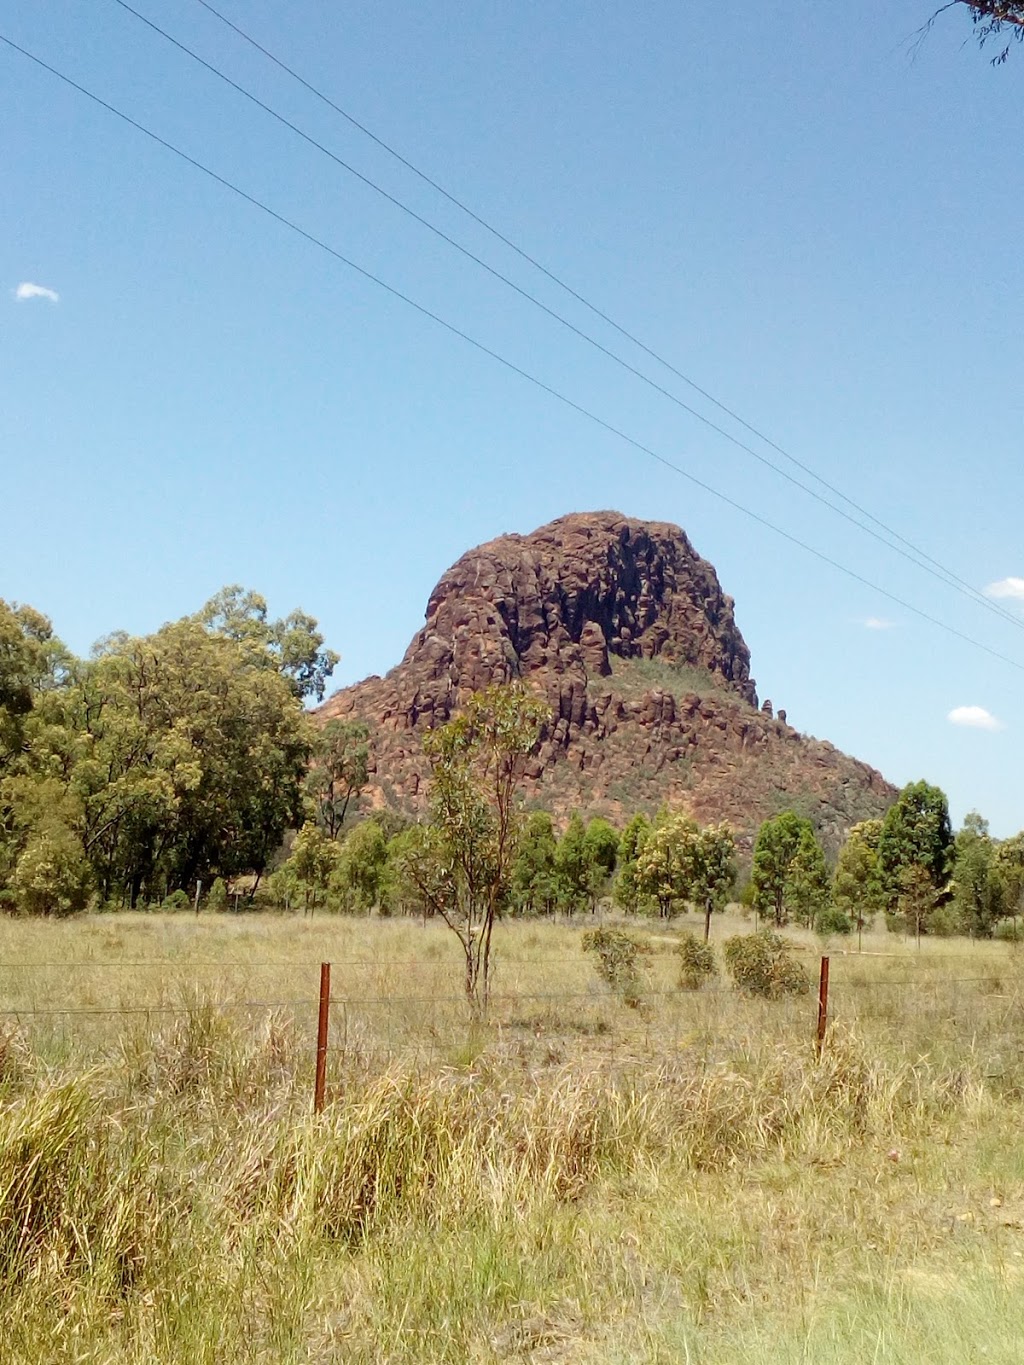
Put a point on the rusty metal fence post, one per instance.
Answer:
(822, 1006)
(323, 1023)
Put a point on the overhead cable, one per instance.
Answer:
(510, 365)
(910, 551)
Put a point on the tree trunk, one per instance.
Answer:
(471, 975)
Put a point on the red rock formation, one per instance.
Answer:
(627, 634)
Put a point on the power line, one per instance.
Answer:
(504, 361)
(911, 553)
(923, 557)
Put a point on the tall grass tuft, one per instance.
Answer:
(76, 1199)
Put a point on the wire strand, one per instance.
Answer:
(309, 965)
(595, 993)
(556, 279)
(510, 365)
(156, 1008)
(905, 548)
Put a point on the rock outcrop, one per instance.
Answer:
(627, 634)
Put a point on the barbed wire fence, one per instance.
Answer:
(344, 1026)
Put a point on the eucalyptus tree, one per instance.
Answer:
(189, 757)
(313, 860)
(856, 884)
(1008, 862)
(807, 879)
(627, 889)
(338, 772)
(460, 863)
(786, 867)
(574, 868)
(681, 862)
(535, 871)
(362, 866)
(293, 644)
(979, 891)
(916, 833)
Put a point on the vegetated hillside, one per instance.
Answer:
(626, 632)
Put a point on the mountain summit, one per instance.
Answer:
(626, 632)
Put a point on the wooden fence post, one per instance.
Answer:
(323, 1022)
(822, 1006)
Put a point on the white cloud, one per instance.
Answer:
(974, 717)
(1007, 587)
(27, 290)
(877, 623)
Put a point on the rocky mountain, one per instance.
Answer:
(626, 632)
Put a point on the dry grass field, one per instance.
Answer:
(576, 1181)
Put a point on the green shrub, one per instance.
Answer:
(177, 900)
(51, 876)
(1009, 931)
(697, 965)
(833, 920)
(762, 964)
(746, 895)
(617, 963)
(895, 922)
(943, 922)
(217, 896)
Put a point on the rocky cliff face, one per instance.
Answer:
(626, 632)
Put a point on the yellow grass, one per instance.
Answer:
(576, 1181)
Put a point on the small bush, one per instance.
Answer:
(177, 900)
(943, 922)
(51, 876)
(762, 964)
(1009, 931)
(896, 922)
(617, 963)
(697, 965)
(217, 896)
(832, 920)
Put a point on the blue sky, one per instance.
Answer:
(818, 223)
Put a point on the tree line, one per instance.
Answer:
(185, 760)
(479, 855)
(390, 865)
(908, 870)
(164, 761)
